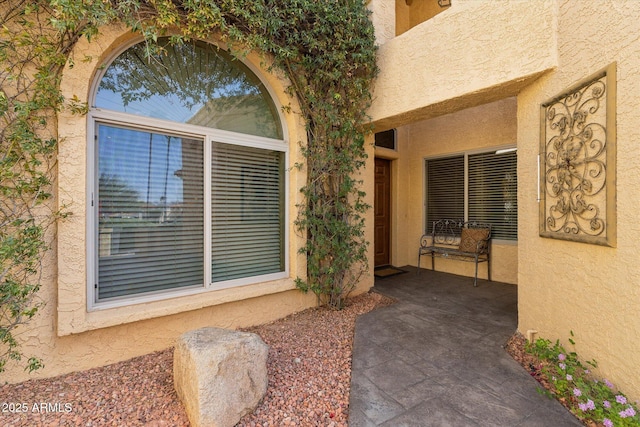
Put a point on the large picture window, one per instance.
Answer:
(188, 171)
(476, 187)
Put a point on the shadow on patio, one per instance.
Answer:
(436, 358)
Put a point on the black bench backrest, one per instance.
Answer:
(448, 231)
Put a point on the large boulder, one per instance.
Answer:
(219, 375)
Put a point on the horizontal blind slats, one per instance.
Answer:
(493, 192)
(445, 189)
(151, 214)
(247, 218)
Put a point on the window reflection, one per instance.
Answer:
(194, 83)
(150, 212)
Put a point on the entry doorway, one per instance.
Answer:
(382, 212)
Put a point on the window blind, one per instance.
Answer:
(493, 192)
(150, 212)
(247, 213)
(445, 189)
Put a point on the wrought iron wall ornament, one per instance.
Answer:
(577, 162)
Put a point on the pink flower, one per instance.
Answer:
(569, 377)
(561, 357)
(608, 383)
(607, 422)
(584, 407)
(629, 412)
(621, 399)
(577, 392)
(606, 404)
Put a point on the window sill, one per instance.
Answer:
(504, 242)
(76, 320)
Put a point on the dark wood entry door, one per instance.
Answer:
(382, 212)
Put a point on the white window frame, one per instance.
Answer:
(465, 155)
(208, 135)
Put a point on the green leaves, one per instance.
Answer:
(327, 51)
(571, 381)
(32, 53)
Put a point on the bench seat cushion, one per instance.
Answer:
(469, 238)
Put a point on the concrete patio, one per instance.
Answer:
(436, 358)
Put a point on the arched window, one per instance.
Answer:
(188, 175)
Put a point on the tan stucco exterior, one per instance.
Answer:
(565, 286)
(456, 60)
(438, 87)
(472, 77)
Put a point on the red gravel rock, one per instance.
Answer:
(309, 370)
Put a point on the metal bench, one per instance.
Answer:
(460, 240)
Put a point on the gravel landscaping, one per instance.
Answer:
(309, 369)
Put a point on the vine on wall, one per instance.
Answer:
(32, 55)
(325, 48)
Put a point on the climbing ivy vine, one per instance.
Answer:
(326, 50)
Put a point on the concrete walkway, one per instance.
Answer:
(435, 358)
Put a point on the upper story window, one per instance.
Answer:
(187, 171)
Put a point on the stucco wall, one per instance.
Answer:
(472, 53)
(383, 19)
(565, 286)
(65, 334)
(487, 126)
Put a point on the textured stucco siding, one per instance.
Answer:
(565, 286)
(472, 53)
(383, 19)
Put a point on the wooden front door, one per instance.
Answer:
(382, 212)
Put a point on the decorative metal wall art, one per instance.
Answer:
(577, 162)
